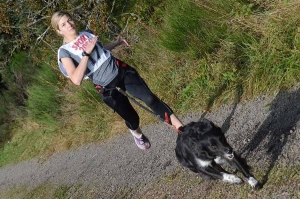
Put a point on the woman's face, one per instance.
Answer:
(66, 26)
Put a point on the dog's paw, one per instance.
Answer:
(232, 178)
(253, 182)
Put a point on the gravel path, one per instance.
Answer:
(264, 130)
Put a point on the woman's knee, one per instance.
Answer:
(150, 100)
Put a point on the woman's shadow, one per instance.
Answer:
(278, 126)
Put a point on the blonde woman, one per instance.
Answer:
(83, 56)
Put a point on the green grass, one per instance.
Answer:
(46, 191)
(43, 104)
(26, 145)
(194, 28)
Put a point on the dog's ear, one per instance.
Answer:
(207, 125)
(204, 125)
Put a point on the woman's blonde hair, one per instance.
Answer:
(56, 17)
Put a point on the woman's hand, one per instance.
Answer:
(121, 41)
(90, 45)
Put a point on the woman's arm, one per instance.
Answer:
(116, 43)
(76, 74)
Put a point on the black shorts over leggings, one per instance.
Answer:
(129, 80)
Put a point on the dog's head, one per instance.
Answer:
(205, 140)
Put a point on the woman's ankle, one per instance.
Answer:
(137, 133)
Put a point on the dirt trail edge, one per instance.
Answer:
(264, 130)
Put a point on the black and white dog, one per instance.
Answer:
(202, 147)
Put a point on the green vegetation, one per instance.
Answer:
(195, 55)
(43, 97)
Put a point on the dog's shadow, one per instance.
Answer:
(278, 126)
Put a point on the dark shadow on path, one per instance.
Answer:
(284, 115)
(238, 94)
(237, 99)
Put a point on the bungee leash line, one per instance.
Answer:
(146, 109)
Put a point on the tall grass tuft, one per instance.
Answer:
(194, 26)
(43, 104)
(16, 77)
(274, 56)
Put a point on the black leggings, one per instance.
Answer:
(129, 80)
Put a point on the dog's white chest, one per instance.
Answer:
(203, 163)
